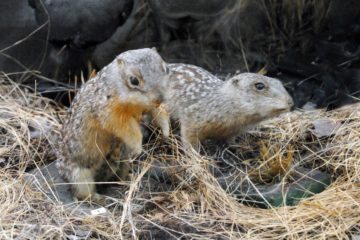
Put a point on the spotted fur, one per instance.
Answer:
(208, 107)
(102, 130)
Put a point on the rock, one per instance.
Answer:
(83, 21)
(49, 181)
(303, 183)
(114, 44)
(22, 43)
(324, 127)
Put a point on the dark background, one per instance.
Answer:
(312, 46)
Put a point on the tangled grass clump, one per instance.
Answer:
(190, 202)
(27, 123)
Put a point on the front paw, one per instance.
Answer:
(166, 131)
(136, 150)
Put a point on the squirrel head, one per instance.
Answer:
(260, 95)
(142, 76)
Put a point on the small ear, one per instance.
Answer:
(92, 74)
(120, 62)
(154, 48)
(263, 71)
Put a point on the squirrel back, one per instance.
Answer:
(208, 107)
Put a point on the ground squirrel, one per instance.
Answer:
(104, 120)
(208, 107)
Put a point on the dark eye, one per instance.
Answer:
(259, 86)
(134, 81)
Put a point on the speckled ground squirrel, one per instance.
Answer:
(208, 107)
(104, 120)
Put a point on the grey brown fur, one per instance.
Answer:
(103, 129)
(208, 107)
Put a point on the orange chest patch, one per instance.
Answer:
(96, 139)
(122, 112)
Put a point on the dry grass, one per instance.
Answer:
(194, 205)
(26, 124)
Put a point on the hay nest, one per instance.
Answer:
(190, 203)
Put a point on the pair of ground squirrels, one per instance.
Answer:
(103, 127)
(104, 124)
